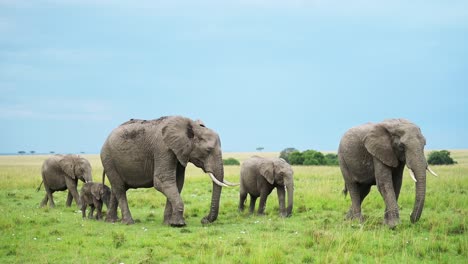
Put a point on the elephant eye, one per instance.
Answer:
(402, 146)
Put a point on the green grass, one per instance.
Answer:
(316, 233)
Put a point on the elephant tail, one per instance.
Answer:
(103, 176)
(345, 191)
(38, 188)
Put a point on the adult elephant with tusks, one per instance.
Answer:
(376, 154)
(154, 153)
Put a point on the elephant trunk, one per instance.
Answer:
(419, 168)
(215, 195)
(87, 177)
(290, 191)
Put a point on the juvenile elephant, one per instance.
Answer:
(94, 194)
(154, 153)
(62, 172)
(376, 154)
(259, 176)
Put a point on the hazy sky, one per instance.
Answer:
(264, 73)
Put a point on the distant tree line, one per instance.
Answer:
(308, 157)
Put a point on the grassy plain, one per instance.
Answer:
(316, 233)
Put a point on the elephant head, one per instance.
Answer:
(278, 172)
(76, 167)
(397, 140)
(191, 141)
(101, 192)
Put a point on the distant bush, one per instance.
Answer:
(296, 158)
(309, 157)
(231, 161)
(284, 154)
(331, 159)
(440, 158)
(312, 157)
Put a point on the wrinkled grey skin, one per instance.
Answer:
(94, 194)
(259, 176)
(376, 154)
(62, 172)
(154, 153)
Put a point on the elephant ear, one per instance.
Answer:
(378, 142)
(68, 166)
(267, 171)
(178, 136)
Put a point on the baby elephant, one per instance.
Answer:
(259, 176)
(94, 194)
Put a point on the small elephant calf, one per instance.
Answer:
(94, 194)
(259, 176)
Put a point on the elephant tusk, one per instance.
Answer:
(432, 172)
(213, 178)
(411, 172)
(230, 183)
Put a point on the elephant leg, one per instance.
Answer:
(385, 185)
(83, 209)
(72, 190)
(91, 211)
(111, 215)
(99, 211)
(253, 200)
(69, 199)
(262, 204)
(45, 200)
(167, 212)
(180, 179)
(50, 197)
(121, 196)
(355, 194)
(242, 198)
(98, 206)
(175, 202)
(281, 200)
(397, 176)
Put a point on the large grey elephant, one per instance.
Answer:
(259, 176)
(62, 172)
(154, 153)
(376, 154)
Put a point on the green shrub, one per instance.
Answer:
(331, 159)
(312, 157)
(231, 161)
(440, 158)
(308, 157)
(296, 158)
(284, 154)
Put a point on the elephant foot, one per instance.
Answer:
(178, 224)
(176, 221)
(207, 220)
(128, 221)
(392, 223)
(111, 219)
(392, 218)
(354, 216)
(285, 215)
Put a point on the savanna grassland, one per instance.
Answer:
(316, 233)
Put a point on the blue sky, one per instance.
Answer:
(274, 74)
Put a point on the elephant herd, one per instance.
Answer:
(155, 153)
